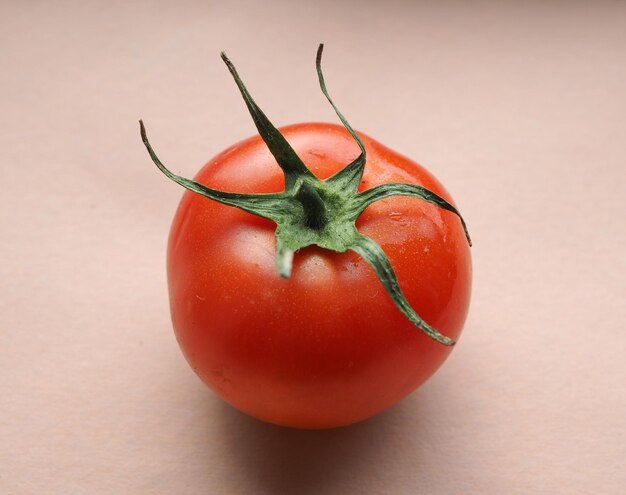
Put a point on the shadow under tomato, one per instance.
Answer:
(281, 461)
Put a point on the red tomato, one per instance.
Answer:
(327, 346)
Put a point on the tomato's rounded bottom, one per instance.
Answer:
(327, 393)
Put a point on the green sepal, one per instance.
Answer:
(270, 205)
(350, 176)
(284, 257)
(363, 199)
(291, 164)
(377, 259)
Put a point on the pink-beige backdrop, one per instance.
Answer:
(518, 107)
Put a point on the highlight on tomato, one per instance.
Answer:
(315, 276)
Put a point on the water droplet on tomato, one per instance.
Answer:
(318, 154)
(398, 217)
(355, 260)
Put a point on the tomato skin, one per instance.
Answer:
(326, 347)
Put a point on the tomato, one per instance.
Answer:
(324, 344)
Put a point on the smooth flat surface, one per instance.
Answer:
(518, 107)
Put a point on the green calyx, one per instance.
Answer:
(318, 212)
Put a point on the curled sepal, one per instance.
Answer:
(350, 176)
(284, 258)
(366, 198)
(377, 259)
(291, 164)
(270, 206)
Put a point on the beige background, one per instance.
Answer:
(518, 107)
